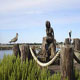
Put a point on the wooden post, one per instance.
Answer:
(76, 44)
(43, 48)
(25, 52)
(16, 50)
(66, 63)
(67, 41)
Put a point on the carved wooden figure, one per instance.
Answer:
(48, 44)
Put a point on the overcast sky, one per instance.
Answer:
(28, 17)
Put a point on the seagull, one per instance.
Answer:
(14, 39)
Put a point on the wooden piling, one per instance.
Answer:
(25, 52)
(76, 42)
(66, 63)
(16, 50)
(67, 41)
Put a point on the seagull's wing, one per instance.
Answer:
(13, 40)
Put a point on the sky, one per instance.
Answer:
(28, 17)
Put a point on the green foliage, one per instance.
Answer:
(77, 74)
(55, 76)
(11, 68)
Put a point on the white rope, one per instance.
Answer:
(76, 51)
(44, 64)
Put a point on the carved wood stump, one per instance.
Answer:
(48, 50)
(66, 63)
(52, 50)
(16, 50)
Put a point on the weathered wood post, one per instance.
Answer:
(16, 50)
(43, 48)
(67, 41)
(66, 62)
(76, 43)
(25, 52)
